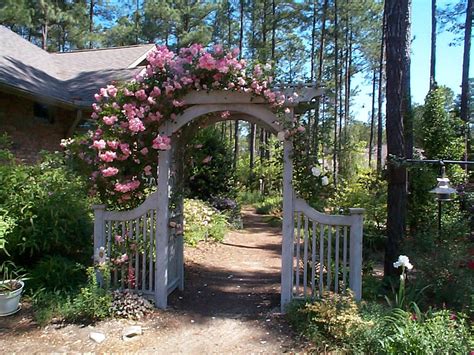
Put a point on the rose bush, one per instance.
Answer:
(123, 150)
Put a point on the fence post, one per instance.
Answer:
(99, 227)
(355, 252)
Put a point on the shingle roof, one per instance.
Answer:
(71, 77)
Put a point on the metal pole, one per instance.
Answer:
(439, 219)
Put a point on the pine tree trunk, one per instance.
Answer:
(398, 46)
(433, 45)
(91, 21)
(372, 118)
(465, 74)
(336, 91)
(380, 96)
(322, 42)
(236, 128)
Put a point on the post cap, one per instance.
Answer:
(356, 211)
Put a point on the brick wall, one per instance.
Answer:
(31, 134)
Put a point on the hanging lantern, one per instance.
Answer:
(443, 190)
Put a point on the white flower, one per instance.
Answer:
(403, 261)
(100, 256)
(281, 136)
(325, 181)
(316, 171)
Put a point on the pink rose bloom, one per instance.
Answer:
(96, 107)
(186, 80)
(141, 95)
(112, 90)
(147, 170)
(144, 151)
(111, 171)
(127, 187)
(155, 116)
(155, 92)
(108, 156)
(97, 97)
(118, 239)
(218, 49)
(99, 144)
(136, 125)
(222, 66)
(94, 115)
(125, 148)
(177, 103)
(161, 143)
(103, 92)
(300, 129)
(110, 120)
(128, 92)
(207, 62)
(113, 144)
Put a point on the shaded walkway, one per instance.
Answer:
(230, 305)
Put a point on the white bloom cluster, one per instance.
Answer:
(100, 256)
(316, 171)
(403, 261)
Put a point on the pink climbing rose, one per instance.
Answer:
(100, 144)
(161, 143)
(110, 171)
(110, 120)
(108, 156)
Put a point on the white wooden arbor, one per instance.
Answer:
(316, 247)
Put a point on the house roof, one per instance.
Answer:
(70, 78)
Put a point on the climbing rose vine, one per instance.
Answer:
(122, 152)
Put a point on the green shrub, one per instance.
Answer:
(202, 222)
(330, 321)
(209, 158)
(57, 272)
(270, 205)
(368, 191)
(93, 302)
(7, 223)
(337, 323)
(438, 332)
(48, 215)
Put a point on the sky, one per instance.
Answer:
(448, 60)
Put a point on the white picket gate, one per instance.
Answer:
(138, 230)
(327, 252)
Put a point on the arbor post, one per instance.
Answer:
(288, 224)
(99, 235)
(162, 231)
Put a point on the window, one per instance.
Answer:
(43, 113)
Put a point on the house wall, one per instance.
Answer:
(30, 134)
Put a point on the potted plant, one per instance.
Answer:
(11, 287)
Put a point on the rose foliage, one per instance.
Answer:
(122, 153)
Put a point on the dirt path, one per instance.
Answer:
(230, 305)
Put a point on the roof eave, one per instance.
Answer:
(51, 100)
